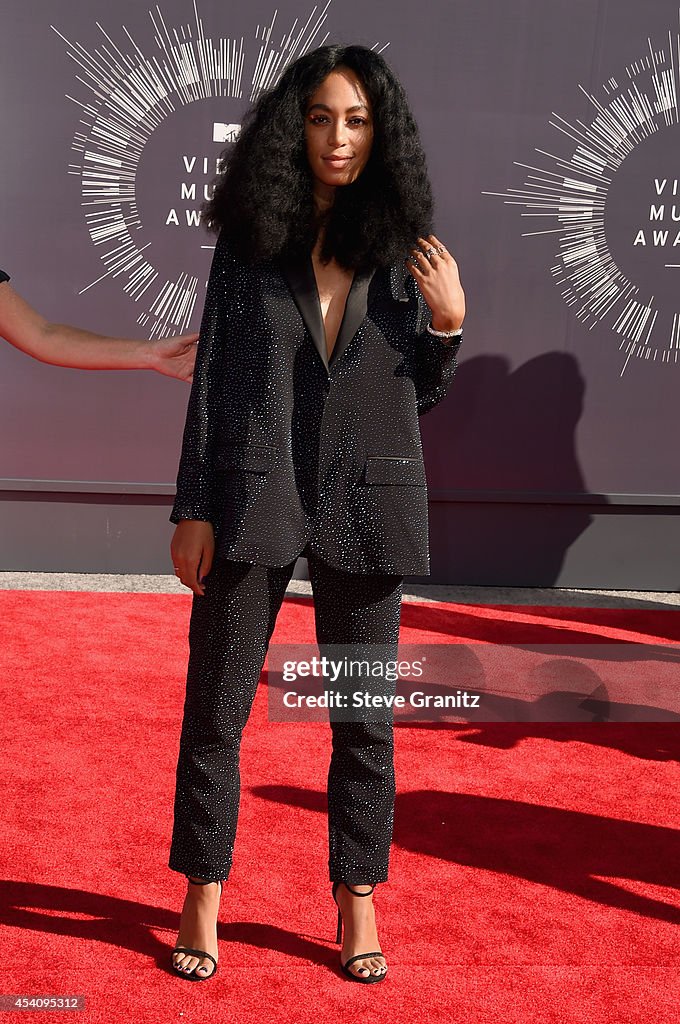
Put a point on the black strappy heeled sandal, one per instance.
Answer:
(371, 978)
(191, 975)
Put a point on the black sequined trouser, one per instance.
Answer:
(230, 629)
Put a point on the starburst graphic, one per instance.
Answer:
(582, 191)
(129, 94)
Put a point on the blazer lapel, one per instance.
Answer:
(299, 275)
(355, 311)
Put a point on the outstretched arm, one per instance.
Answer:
(62, 345)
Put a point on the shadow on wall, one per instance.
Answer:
(510, 444)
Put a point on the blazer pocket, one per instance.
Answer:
(255, 458)
(392, 469)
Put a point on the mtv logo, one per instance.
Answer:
(225, 132)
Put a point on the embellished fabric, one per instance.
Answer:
(284, 446)
(231, 625)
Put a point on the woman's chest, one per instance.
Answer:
(282, 308)
(333, 284)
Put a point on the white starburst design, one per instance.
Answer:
(129, 94)
(575, 196)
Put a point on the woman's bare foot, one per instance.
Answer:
(359, 932)
(198, 928)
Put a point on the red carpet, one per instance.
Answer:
(534, 873)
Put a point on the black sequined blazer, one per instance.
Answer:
(283, 446)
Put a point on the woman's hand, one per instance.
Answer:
(439, 283)
(192, 550)
(174, 357)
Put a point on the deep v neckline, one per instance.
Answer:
(298, 273)
(329, 355)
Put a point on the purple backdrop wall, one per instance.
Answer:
(552, 139)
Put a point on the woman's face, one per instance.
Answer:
(338, 131)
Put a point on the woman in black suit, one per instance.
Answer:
(332, 322)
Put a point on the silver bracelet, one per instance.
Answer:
(444, 334)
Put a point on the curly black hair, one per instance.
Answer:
(263, 198)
